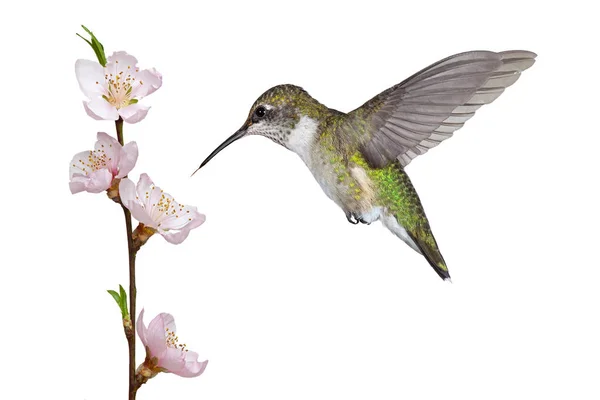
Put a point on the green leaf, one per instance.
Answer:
(87, 30)
(115, 296)
(123, 304)
(90, 43)
(121, 299)
(95, 45)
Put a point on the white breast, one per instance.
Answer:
(302, 138)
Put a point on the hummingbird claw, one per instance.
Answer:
(354, 219)
(351, 217)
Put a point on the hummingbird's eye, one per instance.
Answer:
(260, 112)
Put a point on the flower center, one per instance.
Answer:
(97, 159)
(165, 207)
(121, 87)
(164, 204)
(173, 341)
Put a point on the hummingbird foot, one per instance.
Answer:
(351, 217)
(354, 219)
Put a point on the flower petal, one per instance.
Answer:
(127, 159)
(90, 112)
(98, 108)
(142, 331)
(129, 198)
(175, 237)
(127, 192)
(108, 148)
(105, 139)
(173, 360)
(144, 186)
(90, 76)
(169, 322)
(144, 183)
(149, 195)
(78, 163)
(99, 181)
(157, 334)
(77, 186)
(187, 216)
(178, 235)
(93, 182)
(120, 61)
(150, 81)
(192, 366)
(154, 81)
(133, 113)
(138, 212)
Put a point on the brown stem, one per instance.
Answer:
(133, 386)
(132, 295)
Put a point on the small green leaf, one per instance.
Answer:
(95, 45)
(90, 43)
(123, 303)
(87, 30)
(115, 296)
(121, 299)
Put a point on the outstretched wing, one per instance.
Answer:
(410, 118)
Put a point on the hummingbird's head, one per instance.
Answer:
(280, 114)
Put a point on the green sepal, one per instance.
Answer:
(95, 45)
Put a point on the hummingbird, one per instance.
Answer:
(359, 158)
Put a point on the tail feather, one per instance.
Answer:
(431, 252)
(419, 239)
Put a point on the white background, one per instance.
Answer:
(284, 297)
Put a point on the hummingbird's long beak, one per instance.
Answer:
(238, 135)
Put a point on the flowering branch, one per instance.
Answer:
(113, 87)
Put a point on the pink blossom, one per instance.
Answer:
(94, 170)
(164, 352)
(114, 91)
(158, 210)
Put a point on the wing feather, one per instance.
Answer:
(416, 115)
